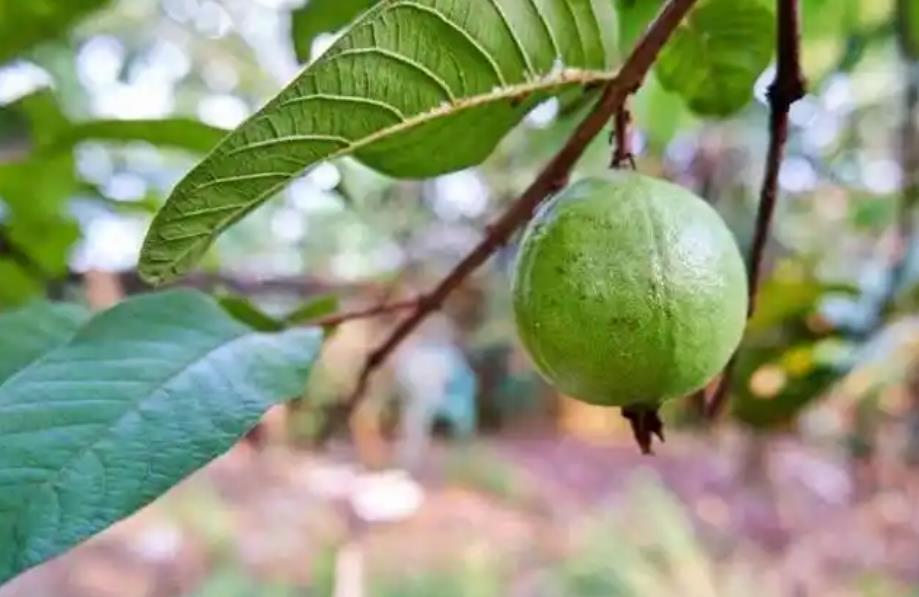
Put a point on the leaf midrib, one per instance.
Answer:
(565, 77)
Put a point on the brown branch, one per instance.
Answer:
(787, 88)
(622, 137)
(375, 311)
(553, 177)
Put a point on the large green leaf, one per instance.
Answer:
(322, 16)
(25, 23)
(716, 55)
(140, 397)
(30, 332)
(415, 88)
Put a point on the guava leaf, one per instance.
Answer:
(414, 88)
(322, 16)
(30, 332)
(716, 55)
(140, 397)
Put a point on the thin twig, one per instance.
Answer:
(622, 138)
(787, 88)
(375, 311)
(553, 177)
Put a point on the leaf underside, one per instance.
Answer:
(140, 397)
(414, 88)
(716, 55)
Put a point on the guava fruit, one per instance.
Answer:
(629, 291)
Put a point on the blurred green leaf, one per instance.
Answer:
(634, 17)
(313, 309)
(421, 77)
(908, 13)
(50, 131)
(716, 55)
(322, 16)
(872, 213)
(827, 29)
(176, 133)
(37, 225)
(774, 384)
(659, 113)
(140, 397)
(30, 332)
(25, 23)
(18, 285)
(244, 310)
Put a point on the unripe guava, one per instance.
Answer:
(628, 291)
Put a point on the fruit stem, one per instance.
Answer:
(646, 423)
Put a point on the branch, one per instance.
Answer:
(622, 154)
(552, 178)
(377, 310)
(787, 88)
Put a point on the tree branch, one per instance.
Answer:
(553, 177)
(787, 88)
(622, 152)
(376, 310)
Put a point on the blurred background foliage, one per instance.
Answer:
(104, 105)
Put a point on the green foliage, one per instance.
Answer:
(716, 55)
(403, 90)
(24, 24)
(634, 16)
(244, 310)
(909, 36)
(35, 193)
(322, 16)
(319, 306)
(140, 397)
(38, 180)
(789, 356)
(32, 331)
(168, 133)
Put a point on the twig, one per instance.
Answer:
(622, 153)
(787, 88)
(553, 177)
(381, 309)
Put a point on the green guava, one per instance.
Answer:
(628, 291)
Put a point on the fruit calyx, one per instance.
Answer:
(646, 423)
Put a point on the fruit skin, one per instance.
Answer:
(629, 290)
